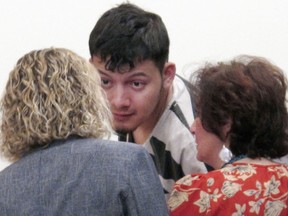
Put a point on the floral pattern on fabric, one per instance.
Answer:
(237, 189)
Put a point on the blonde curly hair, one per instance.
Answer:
(51, 94)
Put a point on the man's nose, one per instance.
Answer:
(119, 97)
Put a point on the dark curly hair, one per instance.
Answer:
(249, 92)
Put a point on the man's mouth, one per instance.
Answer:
(122, 116)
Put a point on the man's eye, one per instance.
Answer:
(137, 84)
(105, 82)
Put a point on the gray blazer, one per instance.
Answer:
(83, 177)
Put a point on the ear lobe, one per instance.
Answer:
(169, 74)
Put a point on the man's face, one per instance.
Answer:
(136, 97)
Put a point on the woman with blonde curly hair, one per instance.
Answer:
(55, 117)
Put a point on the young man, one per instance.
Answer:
(150, 106)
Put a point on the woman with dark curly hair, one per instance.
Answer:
(54, 118)
(241, 104)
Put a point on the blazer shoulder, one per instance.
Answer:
(101, 145)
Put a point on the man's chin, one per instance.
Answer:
(123, 129)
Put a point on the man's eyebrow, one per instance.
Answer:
(102, 72)
(138, 74)
(131, 74)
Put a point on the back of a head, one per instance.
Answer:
(126, 35)
(250, 92)
(51, 94)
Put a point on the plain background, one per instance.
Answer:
(200, 30)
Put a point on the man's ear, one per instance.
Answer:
(169, 71)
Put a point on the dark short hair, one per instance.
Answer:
(126, 35)
(250, 93)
